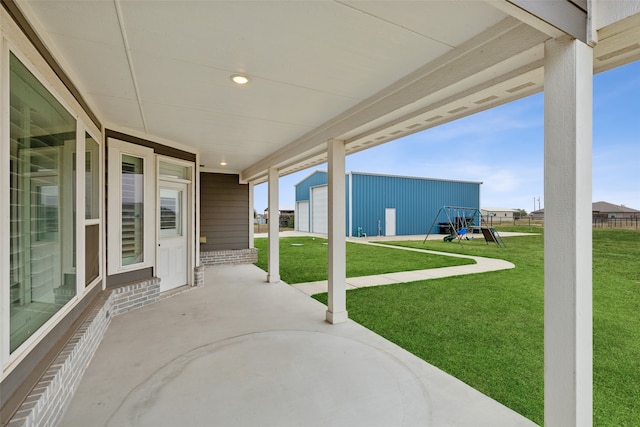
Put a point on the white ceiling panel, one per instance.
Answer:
(102, 69)
(211, 131)
(201, 87)
(120, 112)
(95, 21)
(325, 46)
(435, 19)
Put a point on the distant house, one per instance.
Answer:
(539, 214)
(286, 217)
(602, 210)
(499, 213)
(607, 210)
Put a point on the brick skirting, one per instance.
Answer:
(48, 400)
(238, 256)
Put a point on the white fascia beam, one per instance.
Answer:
(568, 343)
(564, 15)
(273, 274)
(499, 43)
(526, 17)
(456, 97)
(337, 286)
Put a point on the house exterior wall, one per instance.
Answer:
(224, 212)
(27, 363)
(416, 200)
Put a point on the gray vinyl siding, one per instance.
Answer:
(224, 212)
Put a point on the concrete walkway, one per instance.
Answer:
(241, 352)
(481, 265)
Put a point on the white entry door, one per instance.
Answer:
(390, 221)
(172, 236)
(319, 200)
(302, 218)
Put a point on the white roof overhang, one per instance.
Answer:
(366, 72)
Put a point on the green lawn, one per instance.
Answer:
(304, 259)
(487, 329)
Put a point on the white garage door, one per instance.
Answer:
(319, 223)
(302, 216)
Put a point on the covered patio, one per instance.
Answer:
(197, 358)
(152, 113)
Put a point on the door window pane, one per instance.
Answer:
(132, 239)
(42, 201)
(92, 178)
(170, 213)
(92, 253)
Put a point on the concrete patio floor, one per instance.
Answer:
(241, 352)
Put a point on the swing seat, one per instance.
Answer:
(449, 238)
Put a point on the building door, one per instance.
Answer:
(319, 209)
(390, 222)
(172, 235)
(302, 216)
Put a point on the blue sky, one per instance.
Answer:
(504, 148)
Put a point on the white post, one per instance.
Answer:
(337, 310)
(568, 105)
(251, 217)
(274, 228)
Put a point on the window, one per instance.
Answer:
(132, 211)
(42, 201)
(92, 178)
(173, 170)
(92, 209)
(131, 234)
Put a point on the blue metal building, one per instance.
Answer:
(384, 205)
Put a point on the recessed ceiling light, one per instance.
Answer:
(223, 163)
(240, 79)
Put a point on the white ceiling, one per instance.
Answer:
(357, 70)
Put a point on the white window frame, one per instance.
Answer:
(116, 148)
(5, 215)
(8, 361)
(82, 222)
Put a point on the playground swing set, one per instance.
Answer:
(461, 223)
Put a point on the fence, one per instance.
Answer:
(630, 222)
(617, 222)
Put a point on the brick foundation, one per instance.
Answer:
(48, 400)
(239, 256)
(198, 276)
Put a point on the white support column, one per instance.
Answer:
(274, 228)
(568, 346)
(337, 311)
(251, 217)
